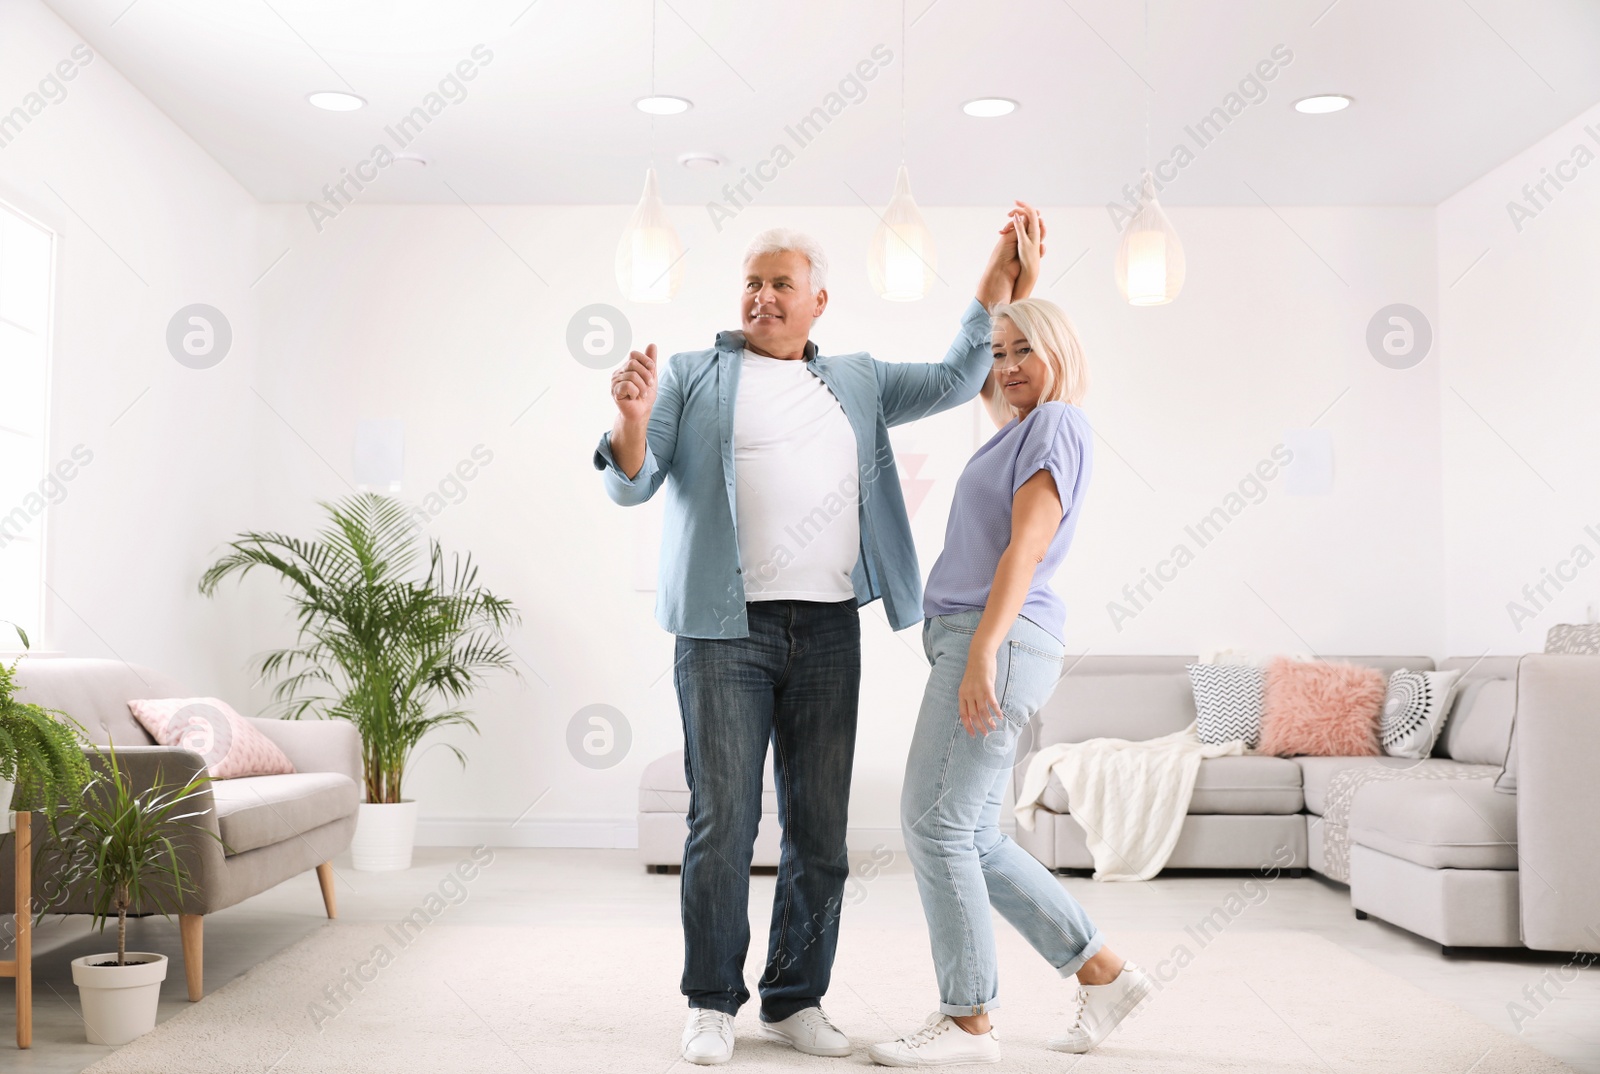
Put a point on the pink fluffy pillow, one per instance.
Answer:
(230, 745)
(1322, 709)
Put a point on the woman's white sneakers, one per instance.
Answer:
(708, 1037)
(1101, 1007)
(939, 1043)
(808, 1031)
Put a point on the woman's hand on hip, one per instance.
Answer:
(980, 709)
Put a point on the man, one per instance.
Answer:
(784, 515)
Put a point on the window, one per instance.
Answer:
(26, 262)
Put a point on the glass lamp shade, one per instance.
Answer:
(1150, 258)
(902, 258)
(650, 254)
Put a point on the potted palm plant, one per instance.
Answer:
(41, 750)
(394, 650)
(118, 841)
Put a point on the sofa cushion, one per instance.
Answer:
(1317, 772)
(1228, 702)
(1321, 709)
(1414, 711)
(258, 811)
(1478, 730)
(95, 693)
(230, 744)
(663, 788)
(1240, 786)
(1438, 823)
(1135, 706)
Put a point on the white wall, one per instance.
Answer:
(147, 223)
(1521, 389)
(429, 314)
(437, 315)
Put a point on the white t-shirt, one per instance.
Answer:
(797, 492)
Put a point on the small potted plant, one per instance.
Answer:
(394, 651)
(41, 751)
(118, 841)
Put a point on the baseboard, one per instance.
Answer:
(618, 833)
(588, 832)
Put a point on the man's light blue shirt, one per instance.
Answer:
(689, 440)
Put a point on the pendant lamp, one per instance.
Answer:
(1150, 257)
(902, 262)
(650, 254)
(1149, 267)
(902, 257)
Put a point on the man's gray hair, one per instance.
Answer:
(778, 240)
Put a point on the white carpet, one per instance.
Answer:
(554, 1000)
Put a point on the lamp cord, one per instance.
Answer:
(1147, 88)
(655, 7)
(902, 81)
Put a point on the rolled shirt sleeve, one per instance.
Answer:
(912, 390)
(621, 488)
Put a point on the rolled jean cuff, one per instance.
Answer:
(728, 1005)
(778, 1012)
(1090, 949)
(970, 1010)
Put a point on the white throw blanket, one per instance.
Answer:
(1129, 797)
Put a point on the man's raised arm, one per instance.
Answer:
(637, 453)
(912, 390)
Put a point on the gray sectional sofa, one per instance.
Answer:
(1430, 846)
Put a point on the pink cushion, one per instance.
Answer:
(1326, 710)
(227, 741)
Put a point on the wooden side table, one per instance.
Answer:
(21, 967)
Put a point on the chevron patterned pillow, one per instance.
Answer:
(1228, 702)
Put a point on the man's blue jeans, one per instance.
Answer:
(794, 682)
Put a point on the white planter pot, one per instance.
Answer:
(6, 787)
(119, 1002)
(385, 833)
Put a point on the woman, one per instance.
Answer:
(993, 635)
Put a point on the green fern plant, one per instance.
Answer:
(396, 654)
(41, 750)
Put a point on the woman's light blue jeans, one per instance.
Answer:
(950, 814)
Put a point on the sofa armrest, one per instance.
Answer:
(317, 745)
(1558, 801)
(172, 766)
(197, 844)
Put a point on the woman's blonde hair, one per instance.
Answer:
(1049, 330)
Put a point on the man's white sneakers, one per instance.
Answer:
(1101, 1007)
(708, 1037)
(939, 1043)
(808, 1031)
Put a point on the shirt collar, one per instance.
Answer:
(733, 340)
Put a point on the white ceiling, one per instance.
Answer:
(1445, 90)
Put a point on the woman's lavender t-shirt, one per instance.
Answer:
(1055, 436)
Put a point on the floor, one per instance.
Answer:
(597, 886)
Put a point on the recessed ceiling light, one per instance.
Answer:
(412, 158)
(336, 100)
(700, 161)
(990, 107)
(663, 106)
(1322, 103)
